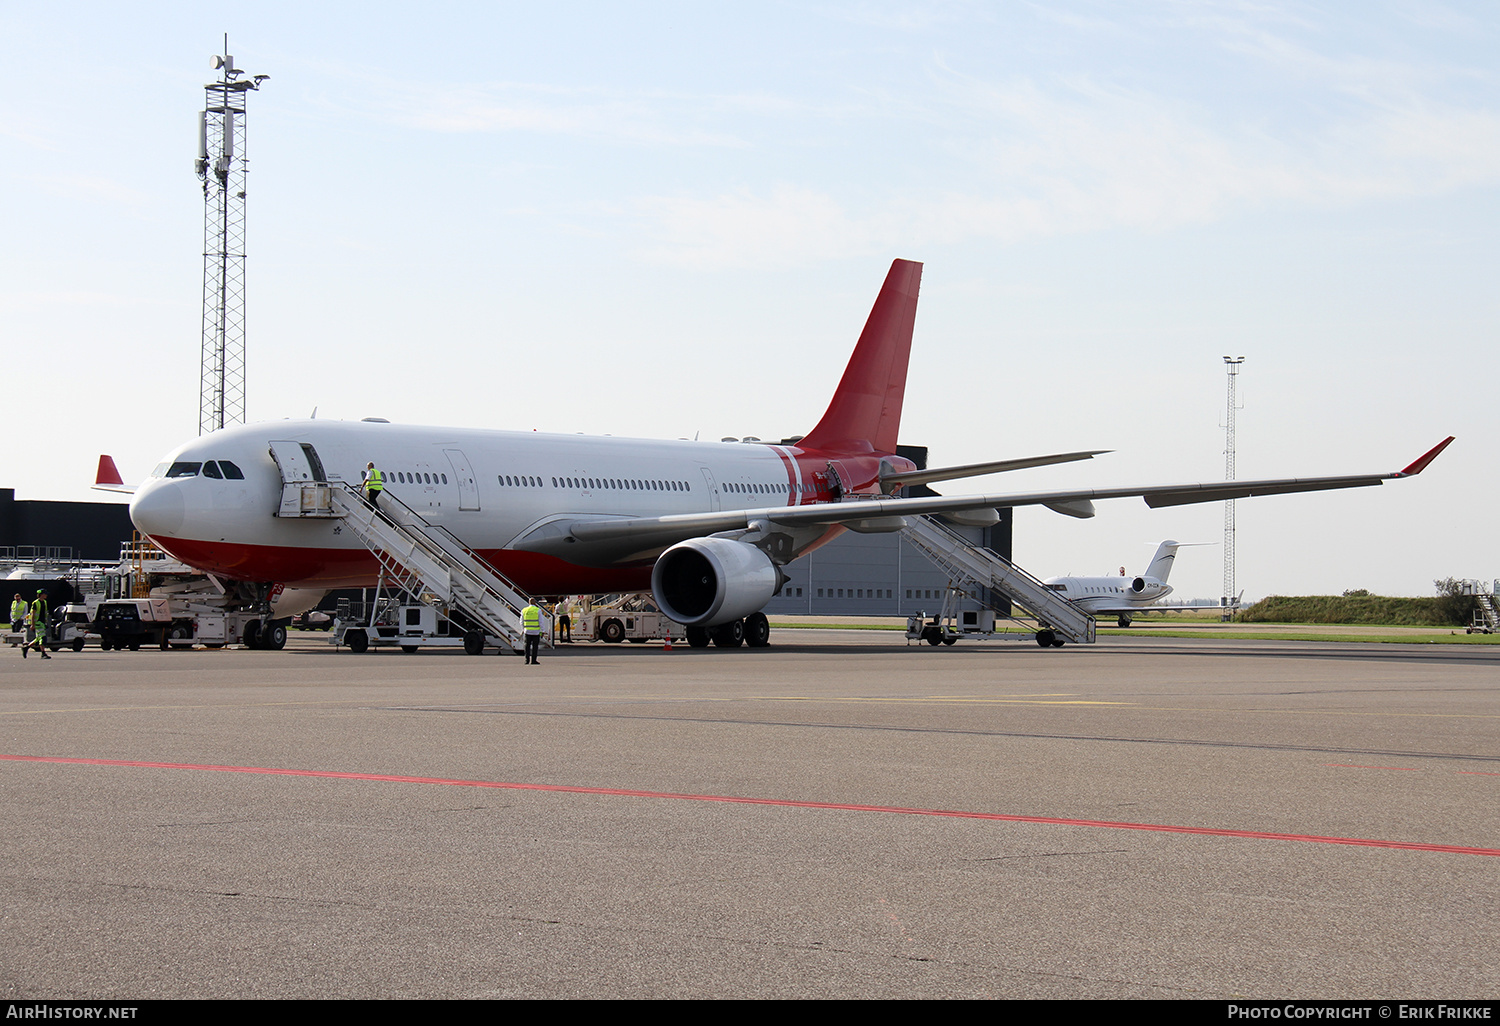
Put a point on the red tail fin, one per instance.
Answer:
(107, 474)
(865, 414)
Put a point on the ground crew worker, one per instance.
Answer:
(38, 633)
(374, 482)
(531, 624)
(565, 622)
(18, 607)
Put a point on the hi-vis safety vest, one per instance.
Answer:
(531, 619)
(18, 610)
(374, 480)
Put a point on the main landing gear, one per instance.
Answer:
(271, 636)
(754, 630)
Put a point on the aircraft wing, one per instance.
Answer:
(607, 541)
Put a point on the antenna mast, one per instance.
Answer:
(1232, 366)
(221, 166)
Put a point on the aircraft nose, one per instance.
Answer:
(158, 511)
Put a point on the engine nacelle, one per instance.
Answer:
(704, 582)
(1138, 585)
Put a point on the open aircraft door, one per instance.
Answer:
(304, 485)
(468, 489)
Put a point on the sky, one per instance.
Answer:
(666, 219)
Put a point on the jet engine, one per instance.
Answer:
(703, 582)
(1138, 585)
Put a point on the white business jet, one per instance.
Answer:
(1123, 596)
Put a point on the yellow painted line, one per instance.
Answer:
(148, 708)
(932, 699)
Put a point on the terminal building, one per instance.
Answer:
(41, 529)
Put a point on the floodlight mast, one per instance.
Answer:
(222, 166)
(1228, 602)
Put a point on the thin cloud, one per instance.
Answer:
(516, 107)
(1086, 156)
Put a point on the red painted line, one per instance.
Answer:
(1102, 824)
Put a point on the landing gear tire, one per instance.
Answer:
(1123, 621)
(273, 639)
(612, 631)
(474, 643)
(730, 635)
(251, 637)
(757, 630)
(1045, 638)
(358, 641)
(697, 637)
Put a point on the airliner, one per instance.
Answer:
(707, 527)
(1121, 596)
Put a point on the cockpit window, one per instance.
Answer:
(184, 470)
(231, 472)
(160, 471)
(211, 469)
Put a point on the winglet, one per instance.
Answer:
(108, 474)
(1422, 461)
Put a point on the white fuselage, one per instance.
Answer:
(1110, 594)
(487, 487)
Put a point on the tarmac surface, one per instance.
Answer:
(839, 815)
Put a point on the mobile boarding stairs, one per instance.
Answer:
(425, 561)
(1058, 620)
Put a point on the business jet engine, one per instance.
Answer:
(1138, 585)
(704, 582)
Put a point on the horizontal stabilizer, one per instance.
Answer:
(889, 481)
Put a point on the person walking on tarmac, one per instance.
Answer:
(374, 482)
(531, 624)
(40, 614)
